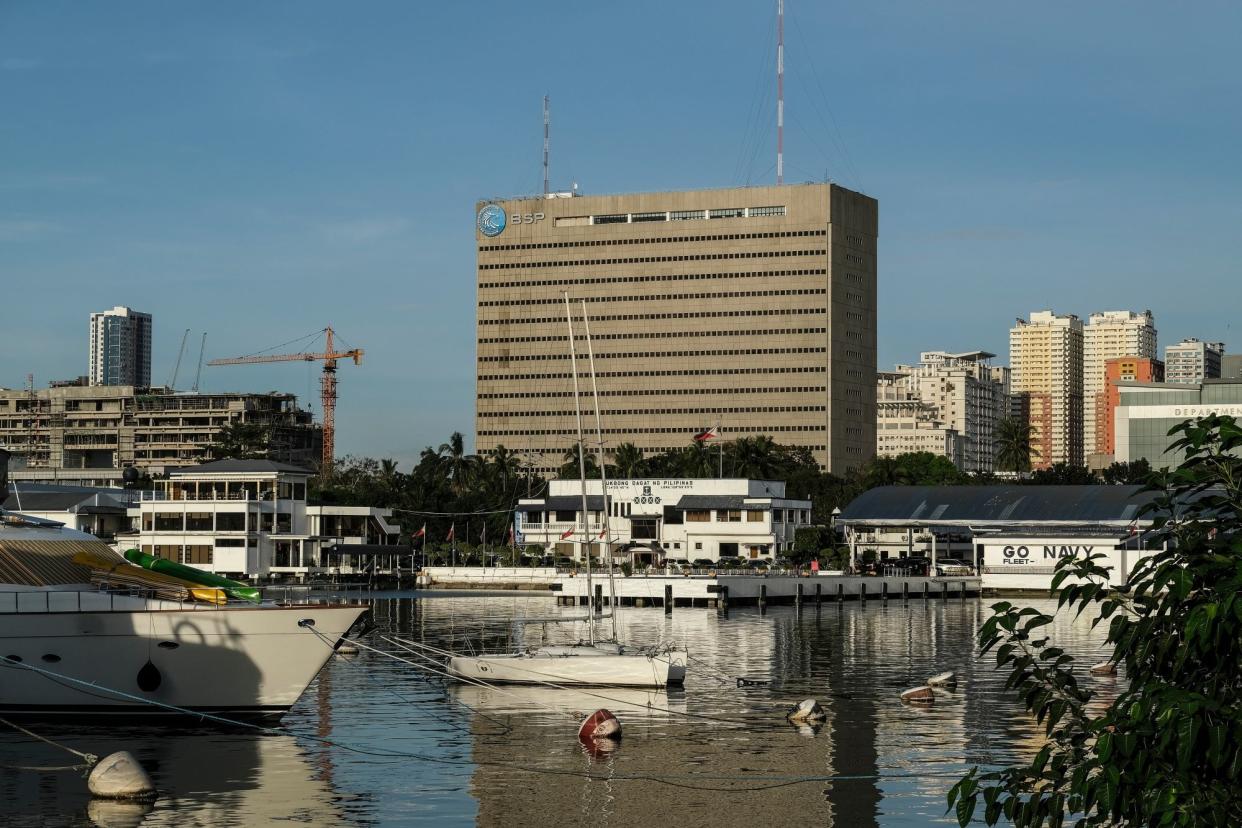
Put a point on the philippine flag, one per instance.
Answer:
(710, 434)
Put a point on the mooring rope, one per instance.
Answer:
(90, 759)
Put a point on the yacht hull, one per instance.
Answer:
(237, 661)
(573, 669)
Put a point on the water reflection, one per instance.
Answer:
(406, 750)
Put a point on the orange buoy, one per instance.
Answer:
(600, 725)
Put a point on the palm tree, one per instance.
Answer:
(628, 458)
(503, 468)
(569, 468)
(699, 460)
(1013, 445)
(460, 468)
(757, 457)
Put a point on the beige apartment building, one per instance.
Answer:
(1108, 335)
(1045, 358)
(751, 308)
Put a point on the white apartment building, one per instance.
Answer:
(1191, 361)
(965, 394)
(905, 423)
(1108, 335)
(1045, 358)
(251, 519)
(654, 519)
(120, 348)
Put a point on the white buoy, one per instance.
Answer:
(807, 710)
(1104, 668)
(119, 776)
(347, 649)
(946, 679)
(919, 695)
(600, 725)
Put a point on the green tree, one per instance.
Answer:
(1168, 749)
(1132, 473)
(244, 441)
(759, 458)
(629, 460)
(1013, 445)
(1063, 474)
(569, 465)
(460, 468)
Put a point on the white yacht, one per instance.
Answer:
(70, 647)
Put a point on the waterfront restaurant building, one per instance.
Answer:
(653, 520)
(1013, 535)
(252, 519)
(752, 308)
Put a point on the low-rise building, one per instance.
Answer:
(1147, 410)
(904, 423)
(252, 519)
(100, 512)
(654, 519)
(1118, 370)
(1192, 361)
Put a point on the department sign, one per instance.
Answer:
(492, 220)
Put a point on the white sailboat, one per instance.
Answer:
(596, 661)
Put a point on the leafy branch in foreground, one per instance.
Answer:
(1168, 750)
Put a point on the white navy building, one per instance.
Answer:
(650, 520)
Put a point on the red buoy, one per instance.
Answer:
(600, 725)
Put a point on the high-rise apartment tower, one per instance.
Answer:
(120, 352)
(1109, 335)
(1045, 359)
(750, 308)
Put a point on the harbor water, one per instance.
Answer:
(377, 742)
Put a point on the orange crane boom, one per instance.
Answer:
(327, 384)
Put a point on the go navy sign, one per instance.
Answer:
(492, 220)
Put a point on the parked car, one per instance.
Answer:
(953, 566)
(728, 562)
(704, 563)
(915, 566)
(759, 564)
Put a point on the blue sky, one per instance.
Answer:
(260, 170)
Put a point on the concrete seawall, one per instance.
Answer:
(707, 590)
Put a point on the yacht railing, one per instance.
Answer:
(143, 600)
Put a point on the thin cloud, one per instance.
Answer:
(19, 230)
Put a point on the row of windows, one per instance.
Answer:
(658, 297)
(701, 257)
(488, 248)
(646, 411)
(672, 277)
(656, 354)
(632, 317)
(650, 450)
(655, 392)
(689, 371)
(567, 432)
(503, 340)
(676, 215)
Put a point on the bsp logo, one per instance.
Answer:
(492, 220)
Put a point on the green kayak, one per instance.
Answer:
(233, 589)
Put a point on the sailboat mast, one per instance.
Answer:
(603, 472)
(573, 362)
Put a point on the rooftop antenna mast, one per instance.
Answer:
(546, 121)
(780, 91)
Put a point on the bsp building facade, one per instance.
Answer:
(753, 309)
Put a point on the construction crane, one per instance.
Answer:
(327, 383)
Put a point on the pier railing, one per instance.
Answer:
(140, 600)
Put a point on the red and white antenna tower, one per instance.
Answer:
(546, 119)
(780, 91)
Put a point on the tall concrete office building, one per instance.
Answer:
(120, 352)
(1108, 335)
(1045, 360)
(751, 308)
(1191, 361)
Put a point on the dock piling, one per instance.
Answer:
(798, 596)
(819, 593)
(599, 598)
(862, 593)
(668, 599)
(723, 604)
(763, 598)
(840, 592)
(884, 590)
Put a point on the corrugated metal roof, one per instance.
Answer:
(1016, 505)
(720, 502)
(233, 465)
(566, 503)
(32, 562)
